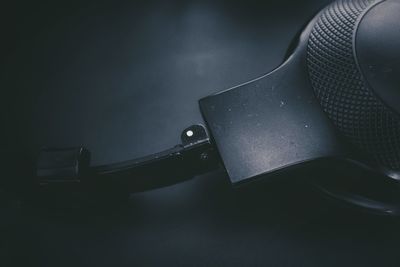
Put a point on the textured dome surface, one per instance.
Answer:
(341, 89)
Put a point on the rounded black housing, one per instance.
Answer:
(353, 59)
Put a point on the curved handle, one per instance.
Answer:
(69, 167)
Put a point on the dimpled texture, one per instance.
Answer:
(341, 88)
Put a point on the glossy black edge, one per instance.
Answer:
(196, 155)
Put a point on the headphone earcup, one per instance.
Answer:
(342, 88)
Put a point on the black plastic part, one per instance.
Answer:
(378, 51)
(62, 165)
(194, 135)
(276, 123)
(195, 156)
(353, 61)
(343, 91)
(271, 123)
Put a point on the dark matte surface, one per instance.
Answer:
(271, 123)
(344, 94)
(124, 79)
(378, 40)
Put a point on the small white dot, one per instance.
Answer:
(189, 133)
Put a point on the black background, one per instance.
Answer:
(123, 78)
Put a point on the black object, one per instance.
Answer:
(276, 121)
(65, 166)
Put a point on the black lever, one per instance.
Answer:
(70, 168)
